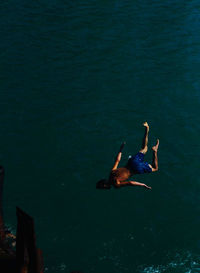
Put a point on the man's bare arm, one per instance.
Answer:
(118, 158)
(131, 183)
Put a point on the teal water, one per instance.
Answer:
(78, 78)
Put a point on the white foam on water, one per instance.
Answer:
(183, 263)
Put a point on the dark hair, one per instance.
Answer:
(103, 184)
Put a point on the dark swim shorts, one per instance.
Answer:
(136, 164)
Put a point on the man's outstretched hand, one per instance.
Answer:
(135, 183)
(147, 187)
(122, 147)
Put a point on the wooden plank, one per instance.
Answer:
(2, 230)
(26, 252)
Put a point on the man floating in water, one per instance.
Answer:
(135, 165)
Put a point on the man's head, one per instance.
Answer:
(103, 184)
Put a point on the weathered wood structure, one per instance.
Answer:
(27, 254)
(27, 258)
(2, 233)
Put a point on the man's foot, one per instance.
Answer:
(155, 148)
(145, 124)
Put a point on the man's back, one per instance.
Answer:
(119, 175)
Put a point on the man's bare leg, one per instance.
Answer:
(155, 157)
(145, 139)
